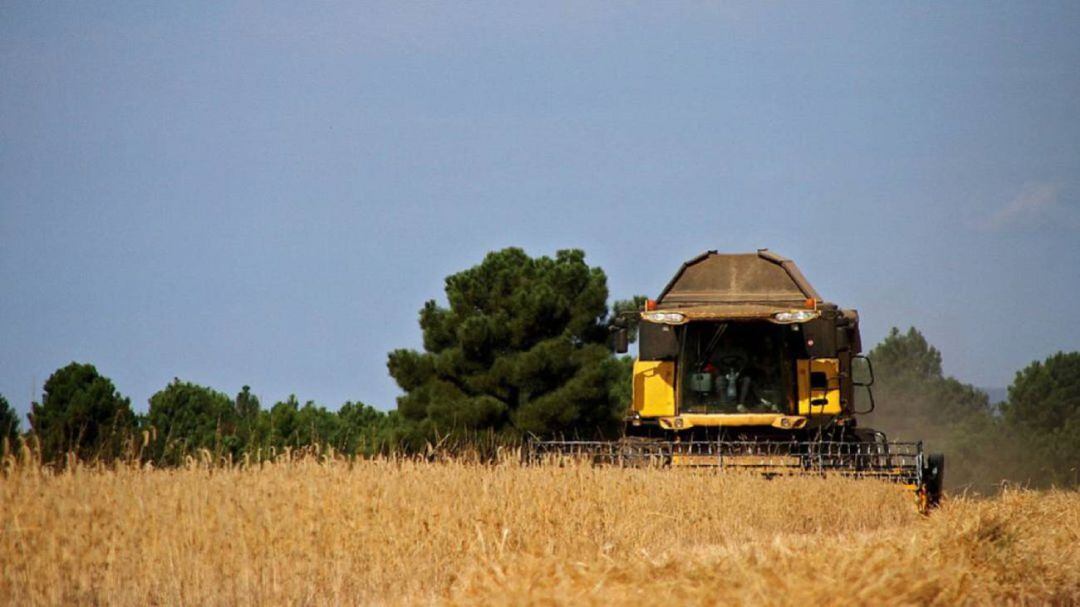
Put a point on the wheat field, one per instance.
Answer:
(324, 531)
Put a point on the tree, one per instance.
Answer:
(315, 426)
(1044, 408)
(522, 345)
(247, 410)
(908, 355)
(287, 424)
(82, 413)
(916, 401)
(361, 429)
(247, 404)
(9, 423)
(354, 429)
(281, 423)
(187, 417)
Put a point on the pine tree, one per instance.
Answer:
(521, 346)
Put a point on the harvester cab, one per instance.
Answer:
(744, 341)
(742, 364)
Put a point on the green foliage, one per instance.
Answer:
(1035, 441)
(623, 388)
(364, 430)
(282, 422)
(296, 426)
(907, 356)
(9, 422)
(247, 405)
(81, 412)
(1044, 408)
(186, 417)
(355, 429)
(247, 413)
(916, 401)
(908, 369)
(521, 347)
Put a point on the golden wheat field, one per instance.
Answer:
(325, 531)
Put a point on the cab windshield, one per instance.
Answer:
(733, 367)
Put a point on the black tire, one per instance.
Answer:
(934, 478)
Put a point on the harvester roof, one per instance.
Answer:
(742, 279)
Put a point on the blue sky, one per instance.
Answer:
(266, 193)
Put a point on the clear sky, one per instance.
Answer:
(266, 194)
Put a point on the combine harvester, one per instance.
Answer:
(741, 365)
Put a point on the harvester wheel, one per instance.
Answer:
(934, 478)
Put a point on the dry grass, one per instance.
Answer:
(306, 532)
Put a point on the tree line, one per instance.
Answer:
(83, 415)
(522, 348)
(1033, 437)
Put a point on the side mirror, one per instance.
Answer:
(622, 340)
(862, 372)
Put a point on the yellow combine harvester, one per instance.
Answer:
(742, 365)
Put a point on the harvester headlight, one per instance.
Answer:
(795, 316)
(667, 318)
